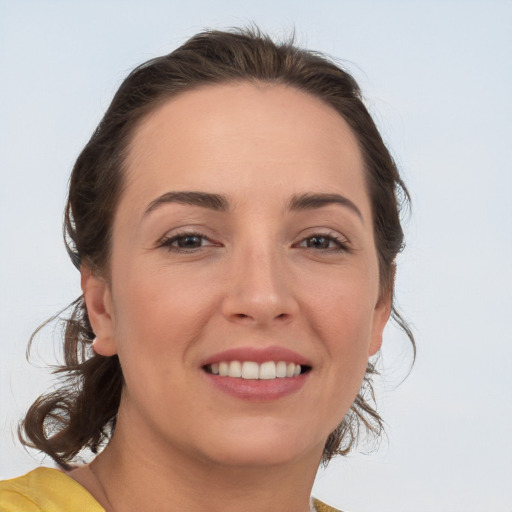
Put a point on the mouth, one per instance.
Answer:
(252, 370)
(258, 374)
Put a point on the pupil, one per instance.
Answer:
(318, 242)
(189, 242)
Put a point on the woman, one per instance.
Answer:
(235, 219)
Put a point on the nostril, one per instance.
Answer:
(244, 316)
(241, 315)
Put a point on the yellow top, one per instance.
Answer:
(45, 490)
(50, 490)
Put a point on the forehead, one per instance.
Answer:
(239, 135)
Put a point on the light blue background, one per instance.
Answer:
(437, 76)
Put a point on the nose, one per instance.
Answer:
(260, 289)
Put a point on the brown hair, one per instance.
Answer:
(82, 412)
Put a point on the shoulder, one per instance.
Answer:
(45, 489)
(318, 506)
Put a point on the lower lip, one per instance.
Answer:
(258, 390)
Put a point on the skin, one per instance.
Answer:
(264, 274)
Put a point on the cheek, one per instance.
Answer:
(158, 315)
(156, 326)
(342, 309)
(342, 317)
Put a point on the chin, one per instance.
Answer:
(264, 447)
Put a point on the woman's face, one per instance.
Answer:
(243, 236)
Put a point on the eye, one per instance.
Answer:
(186, 242)
(323, 242)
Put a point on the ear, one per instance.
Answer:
(98, 300)
(381, 314)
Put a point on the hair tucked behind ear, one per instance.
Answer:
(82, 412)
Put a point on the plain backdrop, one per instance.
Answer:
(437, 77)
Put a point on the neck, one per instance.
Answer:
(134, 479)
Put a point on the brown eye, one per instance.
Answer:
(318, 242)
(188, 242)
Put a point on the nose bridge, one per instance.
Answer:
(260, 288)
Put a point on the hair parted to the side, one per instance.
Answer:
(82, 412)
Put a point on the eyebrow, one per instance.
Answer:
(313, 201)
(215, 202)
(220, 203)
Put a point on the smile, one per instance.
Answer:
(251, 370)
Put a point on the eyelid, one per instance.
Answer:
(169, 238)
(342, 242)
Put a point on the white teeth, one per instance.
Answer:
(268, 370)
(281, 369)
(251, 370)
(223, 369)
(235, 369)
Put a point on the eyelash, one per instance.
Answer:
(168, 242)
(341, 244)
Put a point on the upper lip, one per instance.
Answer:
(258, 355)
